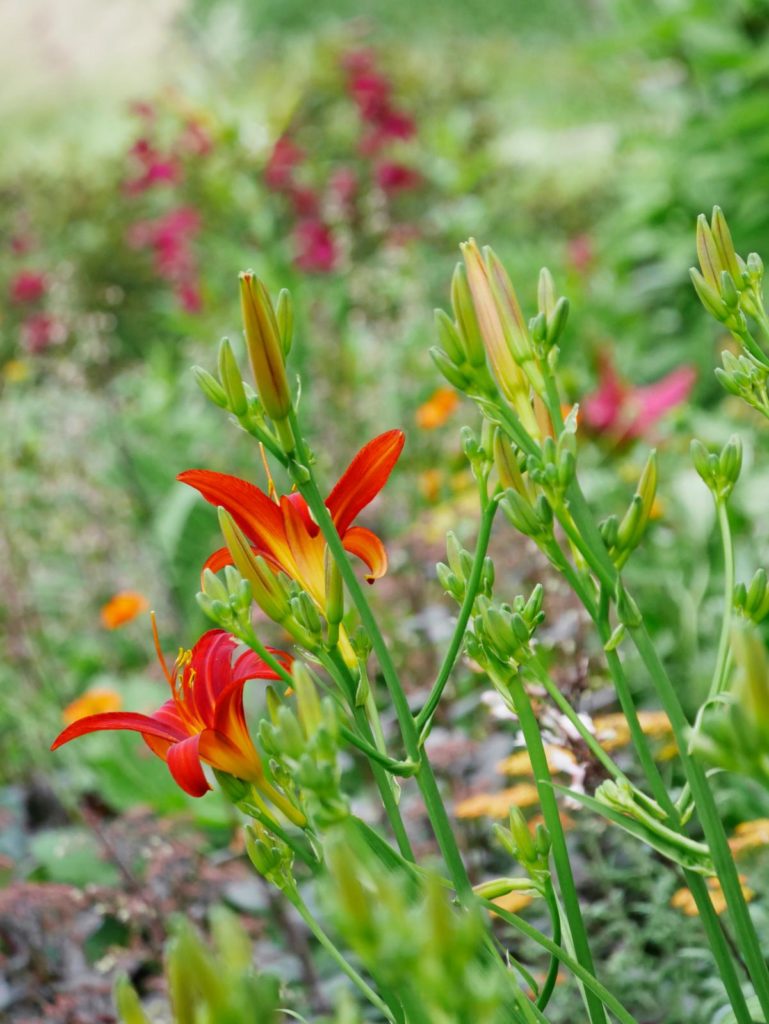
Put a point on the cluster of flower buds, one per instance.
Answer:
(745, 378)
(410, 938)
(209, 983)
(730, 289)
(635, 812)
(752, 601)
(502, 633)
(303, 747)
(454, 576)
(720, 472)
(271, 857)
(734, 733)
(622, 536)
(531, 851)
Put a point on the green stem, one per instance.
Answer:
(712, 825)
(720, 674)
(566, 709)
(538, 757)
(337, 957)
(434, 806)
(588, 979)
(336, 665)
(552, 974)
(425, 716)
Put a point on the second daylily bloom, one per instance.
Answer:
(624, 412)
(204, 718)
(284, 533)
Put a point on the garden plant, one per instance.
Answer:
(418, 938)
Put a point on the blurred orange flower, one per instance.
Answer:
(684, 901)
(92, 702)
(123, 608)
(513, 902)
(497, 805)
(749, 835)
(437, 409)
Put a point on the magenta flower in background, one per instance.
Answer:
(625, 412)
(152, 168)
(170, 237)
(315, 249)
(27, 286)
(40, 331)
(394, 177)
(286, 156)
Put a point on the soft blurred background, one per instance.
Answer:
(343, 150)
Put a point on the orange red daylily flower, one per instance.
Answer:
(122, 608)
(284, 533)
(203, 721)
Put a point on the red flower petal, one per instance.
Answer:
(183, 761)
(364, 478)
(126, 720)
(252, 510)
(369, 548)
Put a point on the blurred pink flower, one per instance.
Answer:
(40, 331)
(195, 139)
(21, 244)
(27, 286)
(170, 238)
(153, 168)
(623, 411)
(579, 253)
(395, 177)
(284, 159)
(343, 185)
(304, 200)
(315, 249)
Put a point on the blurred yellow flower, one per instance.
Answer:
(122, 608)
(749, 835)
(92, 702)
(497, 805)
(519, 763)
(684, 901)
(612, 731)
(437, 409)
(16, 371)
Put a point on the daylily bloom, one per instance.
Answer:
(624, 412)
(204, 718)
(283, 531)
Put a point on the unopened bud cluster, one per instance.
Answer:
(302, 743)
(721, 471)
(502, 633)
(622, 536)
(531, 851)
(752, 601)
(455, 575)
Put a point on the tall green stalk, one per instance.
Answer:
(538, 757)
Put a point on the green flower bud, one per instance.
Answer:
(232, 382)
(465, 317)
(449, 338)
(210, 387)
(284, 314)
(455, 376)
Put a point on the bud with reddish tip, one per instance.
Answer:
(265, 348)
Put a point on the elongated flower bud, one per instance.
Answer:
(266, 589)
(232, 382)
(265, 348)
(508, 374)
(210, 387)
